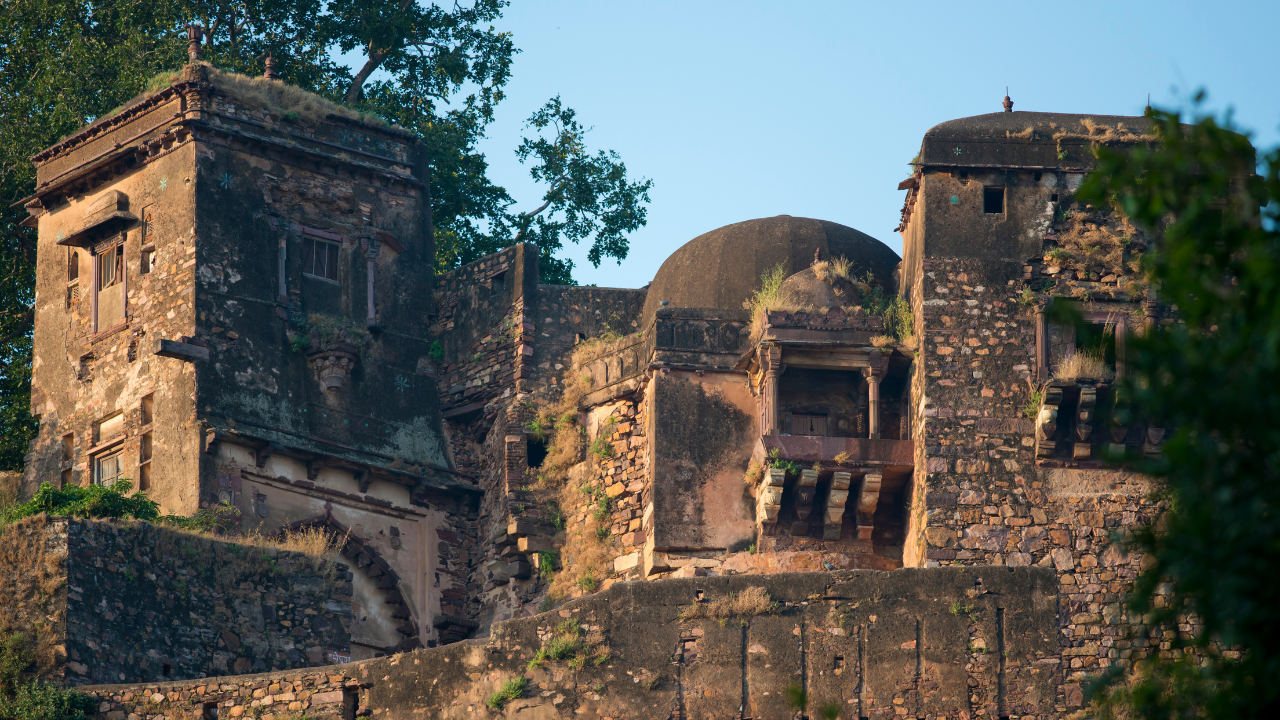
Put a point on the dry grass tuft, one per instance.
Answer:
(1097, 242)
(1026, 134)
(1084, 364)
(881, 341)
(279, 97)
(749, 603)
(837, 268)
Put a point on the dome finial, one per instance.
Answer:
(269, 67)
(1008, 104)
(194, 33)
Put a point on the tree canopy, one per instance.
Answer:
(1208, 377)
(436, 70)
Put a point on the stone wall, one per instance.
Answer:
(986, 499)
(942, 643)
(147, 603)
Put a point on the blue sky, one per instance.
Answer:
(739, 110)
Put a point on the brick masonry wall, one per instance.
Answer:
(149, 604)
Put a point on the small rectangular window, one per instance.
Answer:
(320, 258)
(145, 409)
(73, 266)
(498, 284)
(111, 267)
(68, 446)
(993, 200)
(148, 260)
(108, 428)
(144, 462)
(107, 468)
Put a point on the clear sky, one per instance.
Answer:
(740, 110)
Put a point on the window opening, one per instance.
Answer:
(1096, 337)
(993, 200)
(320, 258)
(536, 452)
(73, 266)
(145, 409)
(144, 462)
(148, 259)
(68, 446)
(107, 468)
(108, 428)
(110, 290)
(1038, 176)
(1053, 197)
(498, 284)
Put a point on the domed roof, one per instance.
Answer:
(722, 268)
(809, 289)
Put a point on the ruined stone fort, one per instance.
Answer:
(810, 478)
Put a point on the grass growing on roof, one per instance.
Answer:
(748, 603)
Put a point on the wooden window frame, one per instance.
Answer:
(310, 251)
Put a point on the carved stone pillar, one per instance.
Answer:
(370, 247)
(1042, 358)
(771, 362)
(833, 514)
(873, 375)
(806, 488)
(868, 498)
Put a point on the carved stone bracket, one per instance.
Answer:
(1082, 449)
(868, 498)
(805, 490)
(769, 496)
(833, 514)
(1047, 422)
(334, 365)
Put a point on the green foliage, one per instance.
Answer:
(46, 701)
(830, 711)
(601, 448)
(797, 697)
(1209, 379)
(299, 343)
(436, 351)
(587, 582)
(602, 532)
(509, 691)
(1026, 298)
(896, 311)
(1033, 405)
(766, 297)
(94, 501)
(25, 698)
(775, 461)
(546, 563)
(1058, 255)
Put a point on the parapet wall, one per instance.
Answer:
(142, 603)
(942, 643)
